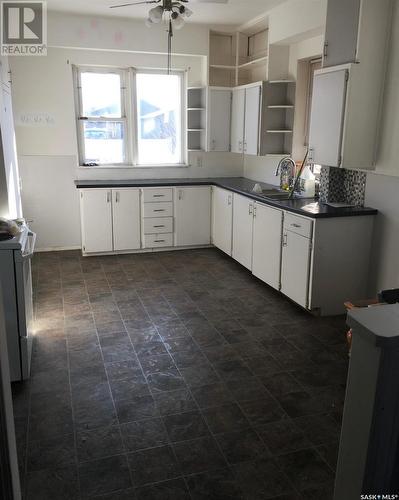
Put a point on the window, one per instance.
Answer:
(314, 65)
(159, 123)
(102, 118)
(111, 131)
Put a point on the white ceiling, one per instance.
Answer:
(234, 12)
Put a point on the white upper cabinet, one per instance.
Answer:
(252, 120)
(242, 230)
(356, 37)
(266, 258)
(219, 114)
(5, 72)
(192, 216)
(96, 214)
(245, 120)
(340, 41)
(327, 117)
(222, 219)
(237, 121)
(126, 219)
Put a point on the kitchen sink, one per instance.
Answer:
(277, 195)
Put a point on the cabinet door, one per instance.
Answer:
(96, 214)
(222, 219)
(341, 32)
(327, 117)
(126, 219)
(266, 256)
(10, 188)
(5, 73)
(242, 230)
(252, 115)
(219, 106)
(237, 121)
(295, 267)
(193, 216)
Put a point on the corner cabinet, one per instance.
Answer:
(110, 220)
(192, 216)
(245, 119)
(219, 117)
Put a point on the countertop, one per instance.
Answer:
(309, 207)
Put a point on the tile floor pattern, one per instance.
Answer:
(176, 376)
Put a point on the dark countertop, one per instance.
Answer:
(309, 207)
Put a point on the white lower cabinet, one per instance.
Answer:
(222, 219)
(110, 220)
(295, 265)
(126, 219)
(266, 256)
(243, 217)
(96, 215)
(192, 216)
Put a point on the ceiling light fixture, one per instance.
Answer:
(173, 13)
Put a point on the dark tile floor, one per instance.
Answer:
(176, 376)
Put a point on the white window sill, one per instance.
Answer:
(162, 165)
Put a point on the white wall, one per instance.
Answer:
(48, 154)
(382, 190)
(297, 20)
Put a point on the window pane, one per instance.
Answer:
(159, 118)
(101, 94)
(104, 142)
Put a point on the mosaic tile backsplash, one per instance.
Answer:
(338, 185)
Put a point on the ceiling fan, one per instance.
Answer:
(174, 12)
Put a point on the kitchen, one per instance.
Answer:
(189, 336)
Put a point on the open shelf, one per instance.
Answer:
(281, 81)
(260, 61)
(221, 66)
(196, 118)
(282, 131)
(281, 106)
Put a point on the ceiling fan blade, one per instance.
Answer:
(133, 3)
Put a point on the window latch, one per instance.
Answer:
(83, 118)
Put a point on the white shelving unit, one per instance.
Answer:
(196, 118)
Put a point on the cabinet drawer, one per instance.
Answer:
(158, 209)
(298, 225)
(158, 240)
(158, 225)
(158, 194)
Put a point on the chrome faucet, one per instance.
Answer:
(286, 166)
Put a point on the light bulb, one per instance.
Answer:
(148, 23)
(156, 14)
(187, 12)
(178, 22)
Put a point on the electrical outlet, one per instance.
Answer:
(199, 161)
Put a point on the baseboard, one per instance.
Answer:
(57, 249)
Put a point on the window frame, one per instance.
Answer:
(313, 65)
(183, 105)
(129, 115)
(81, 119)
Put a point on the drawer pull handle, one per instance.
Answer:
(160, 210)
(295, 225)
(159, 241)
(159, 226)
(158, 195)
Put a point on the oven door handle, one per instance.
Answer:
(29, 254)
